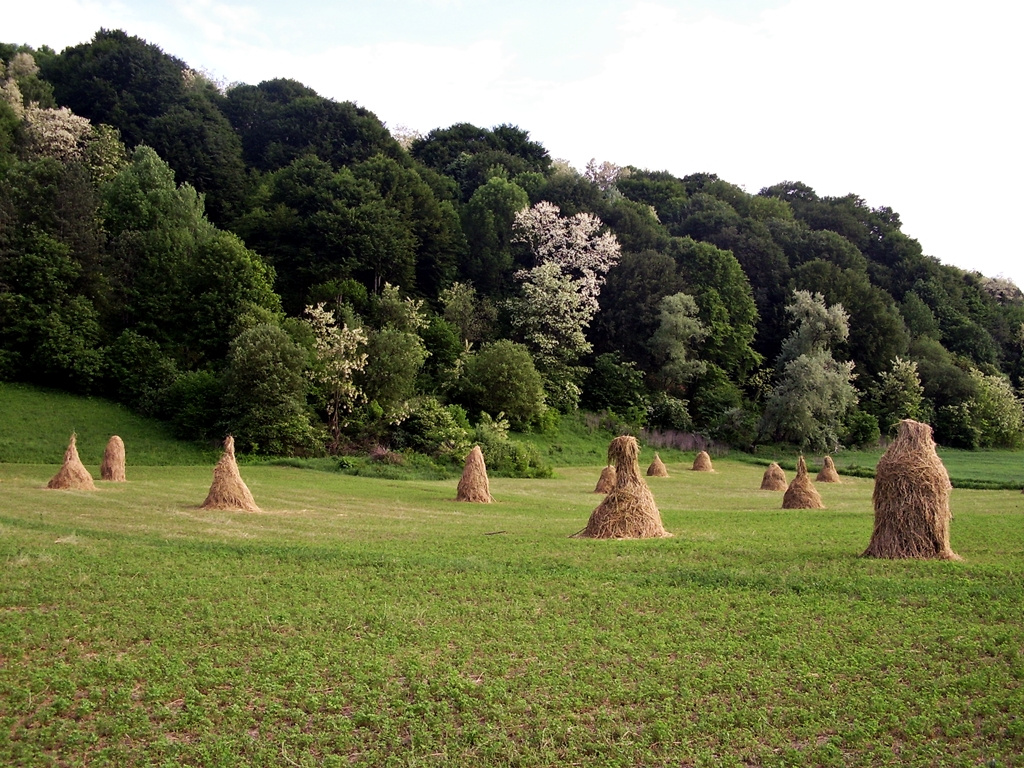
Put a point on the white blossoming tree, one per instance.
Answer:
(340, 355)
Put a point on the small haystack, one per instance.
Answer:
(657, 468)
(229, 491)
(828, 472)
(801, 493)
(702, 463)
(72, 475)
(112, 468)
(473, 485)
(607, 480)
(774, 478)
(911, 498)
(628, 511)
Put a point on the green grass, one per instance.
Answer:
(369, 622)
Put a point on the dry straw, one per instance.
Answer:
(657, 468)
(828, 472)
(801, 493)
(774, 478)
(606, 482)
(473, 485)
(702, 463)
(72, 474)
(228, 490)
(112, 468)
(911, 498)
(628, 511)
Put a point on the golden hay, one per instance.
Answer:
(774, 478)
(72, 475)
(628, 511)
(473, 485)
(801, 493)
(828, 472)
(607, 480)
(702, 463)
(112, 468)
(911, 498)
(657, 468)
(228, 490)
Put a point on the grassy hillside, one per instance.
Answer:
(371, 622)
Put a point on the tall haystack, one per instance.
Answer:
(911, 498)
(828, 472)
(801, 493)
(473, 485)
(657, 468)
(72, 475)
(112, 468)
(702, 463)
(606, 482)
(774, 478)
(628, 511)
(228, 490)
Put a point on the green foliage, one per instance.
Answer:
(393, 361)
(192, 405)
(615, 385)
(504, 456)
(898, 395)
(672, 344)
(501, 378)
(137, 372)
(997, 412)
(434, 429)
(860, 428)
(667, 412)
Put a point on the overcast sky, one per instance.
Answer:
(911, 104)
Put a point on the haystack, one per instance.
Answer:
(657, 468)
(228, 490)
(801, 493)
(774, 478)
(911, 498)
(112, 468)
(628, 511)
(702, 463)
(828, 472)
(473, 485)
(606, 482)
(72, 475)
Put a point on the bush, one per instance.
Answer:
(501, 377)
(667, 412)
(861, 428)
(434, 429)
(506, 457)
(192, 406)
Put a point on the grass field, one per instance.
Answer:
(370, 622)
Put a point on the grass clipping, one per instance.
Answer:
(801, 493)
(774, 478)
(657, 468)
(112, 468)
(606, 482)
(72, 475)
(828, 472)
(628, 511)
(911, 499)
(702, 463)
(228, 490)
(473, 485)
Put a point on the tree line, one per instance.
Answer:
(261, 260)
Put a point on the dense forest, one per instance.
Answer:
(264, 261)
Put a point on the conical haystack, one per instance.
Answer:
(628, 511)
(112, 468)
(607, 480)
(72, 475)
(774, 478)
(911, 498)
(228, 490)
(828, 472)
(473, 485)
(657, 468)
(702, 463)
(801, 493)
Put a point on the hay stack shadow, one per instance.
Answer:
(474, 485)
(606, 482)
(702, 463)
(911, 499)
(628, 511)
(72, 475)
(113, 467)
(774, 478)
(801, 493)
(657, 468)
(828, 473)
(229, 491)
